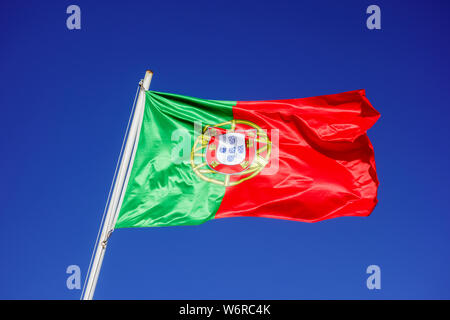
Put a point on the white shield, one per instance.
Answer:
(231, 149)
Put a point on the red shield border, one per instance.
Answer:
(211, 155)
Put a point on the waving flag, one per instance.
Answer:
(301, 159)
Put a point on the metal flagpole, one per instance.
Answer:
(120, 183)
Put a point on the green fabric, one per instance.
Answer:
(163, 192)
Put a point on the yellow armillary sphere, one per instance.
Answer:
(231, 152)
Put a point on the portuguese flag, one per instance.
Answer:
(300, 159)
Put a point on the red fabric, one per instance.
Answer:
(326, 161)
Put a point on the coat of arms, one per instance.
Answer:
(231, 152)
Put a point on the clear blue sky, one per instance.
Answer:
(65, 100)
